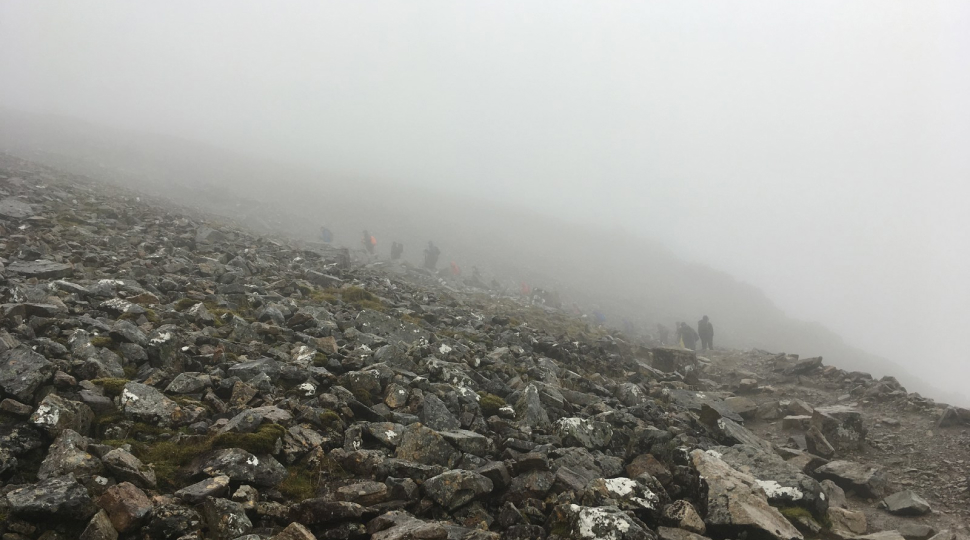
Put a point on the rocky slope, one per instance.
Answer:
(163, 377)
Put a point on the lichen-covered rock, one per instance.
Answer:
(127, 468)
(59, 498)
(454, 489)
(225, 519)
(736, 502)
(602, 523)
(147, 404)
(54, 414)
(781, 481)
(583, 432)
(22, 372)
(69, 455)
(423, 445)
(863, 479)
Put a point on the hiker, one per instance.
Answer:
(706, 331)
(326, 235)
(396, 251)
(431, 256)
(369, 242)
(455, 269)
(688, 337)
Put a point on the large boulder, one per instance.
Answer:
(670, 359)
(529, 409)
(841, 426)
(737, 503)
(54, 414)
(782, 482)
(127, 506)
(426, 446)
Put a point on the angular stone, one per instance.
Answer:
(865, 480)
(670, 359)
(99, 528)
(41, 269)
(54, 414)
(681, 514)
(782, 482)
(295, 531)
(454, 489)
(22, 372)
(846, 521)
(735, 501)
(60, 498)
(225, 519)
(529, 409)
(606, 523)
(127, 468)
(842, 427)
(147, 404)
(466, 441)
(582, 432)
(217, 486)
(127, 506)
(436, 415)
(321, 511)
(68, 455)
(422, 445)
(363, 493)
(907, 503)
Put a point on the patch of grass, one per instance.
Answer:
(356, 294)
(490, 403)
(112, 386)
(102, 341)
(185, 303)
(795, 513)
(130, 371)
(363, 395)
(321, 295)
(320, 360)
(412, 319)
(263, 441)
(133, 317)
(330, 420)
(298, 485)
(167, 458)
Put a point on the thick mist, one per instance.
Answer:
(815, 152)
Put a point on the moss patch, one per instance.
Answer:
(102, 341)
(490, 403)
(112, 387)
(298, 485)
(330, 420)
(263, 441)
(185, 303)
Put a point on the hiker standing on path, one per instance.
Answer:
(369, 242)
(688, 336)
(431, 256)
(706, 331)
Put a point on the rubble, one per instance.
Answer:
(165, 375)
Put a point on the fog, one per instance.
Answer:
(812, 151)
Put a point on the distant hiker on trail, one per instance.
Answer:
(431, 256)
(326, 235)
(396, 251)
(688, 337)
(455, 269)
(369, 242)
(706, 331)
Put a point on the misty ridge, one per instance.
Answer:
(632, 279)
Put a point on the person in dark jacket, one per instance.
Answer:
(688, 336)
(706, 331)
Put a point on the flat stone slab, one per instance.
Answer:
(13, 208)
(41, 269)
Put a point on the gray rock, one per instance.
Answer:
(736, 502)
(466, 441)
(60, 498)
(242, 467)
(907, 503)
(128, 468)
(669, 533)
(454, 489)
(582, 432)
(225, 519)
(250, 369)
(22, 372)
(126, 332)
(68, 455)
(529, 410)
(366, 493)
(295, 531)
(188, 383)
(842, 427)
(54, 414)
(41, 269)
(321, 511)
(834, 494)
(99, 528)
(865, 480)
(173, 521)
(818, 444)
(683, 515)
(399, 525)
(604, 523)
(14, 208)
(216, 486)
(147, 404)
(916, 531)
(696, 402)
(435, 414)
(423, 445)
(744, 407)
(670, 359)
(781, 481)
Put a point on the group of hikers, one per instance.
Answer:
(687, 337)
(431, 253)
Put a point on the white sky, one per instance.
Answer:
(819, 150)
